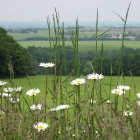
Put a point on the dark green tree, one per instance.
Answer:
(20, 58)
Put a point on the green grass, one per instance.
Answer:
(39, 82)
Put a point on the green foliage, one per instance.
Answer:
(38, 55)
(20, 58)
(108, 60)
(131, 64)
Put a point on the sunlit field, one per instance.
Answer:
(103, 104)
(108, 83)
(39, 81)
(86, 45)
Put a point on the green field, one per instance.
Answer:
(22, 36)
(39, 81)
(63, 118)
(86, 45)
(83, 32)
(107, 84)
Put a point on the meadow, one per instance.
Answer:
(108, 82)
(108, 110)
(37, 81)
(86, 45)
(58, 107)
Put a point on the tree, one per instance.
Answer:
(20, 58)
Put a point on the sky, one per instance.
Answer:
(69, 10)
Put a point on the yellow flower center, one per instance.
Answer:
(46, 65)
(40, 127)
(118, 92)
(127, 114)
(33, 93)
(94, 77)
(78, 81)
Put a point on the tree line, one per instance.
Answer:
(107, 63)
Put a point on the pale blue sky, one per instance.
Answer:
(69, 10)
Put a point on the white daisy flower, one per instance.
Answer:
(2, 83)
(53, 109)
(14, 100)
(123, 87)
(92, 101)
(39, 106)
(8, 89)
(18, 89)
(40, 126)
(78, 81)
(127, 113)
(73, 135)
(5, 95)
(46, 65)
(32, 92)
(33, 107)
(108, 101)
(95, 76)
(61, 107)
(96, 132)
(36, 107)
(118, 91)
(138, 95)
(138, 103)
